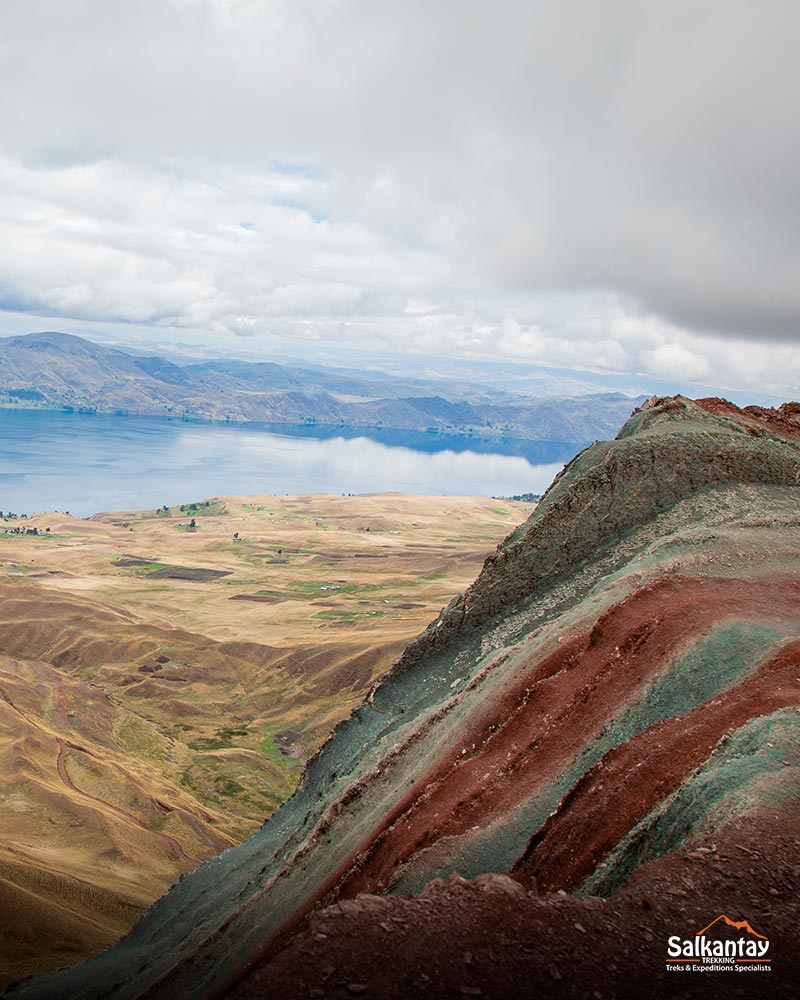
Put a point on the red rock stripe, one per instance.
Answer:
(632, 779)
(555, 707)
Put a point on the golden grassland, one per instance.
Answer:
(163, 683)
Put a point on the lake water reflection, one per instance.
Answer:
(88, 463)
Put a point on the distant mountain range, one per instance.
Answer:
(59, 370)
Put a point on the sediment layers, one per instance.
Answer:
(490, 938)
(620, 682)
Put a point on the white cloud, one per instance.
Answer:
(609, 186)
(674, 361)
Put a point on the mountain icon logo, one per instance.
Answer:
(739, 925)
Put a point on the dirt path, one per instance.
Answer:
(175, 846)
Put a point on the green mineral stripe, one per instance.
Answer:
(747, 770)
(705, 669)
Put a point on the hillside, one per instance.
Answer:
(610, 712)
(64, 371)
(161, 688)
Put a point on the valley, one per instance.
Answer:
(165, 674)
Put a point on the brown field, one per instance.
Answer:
(161, 687)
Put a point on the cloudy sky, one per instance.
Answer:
(610, 186)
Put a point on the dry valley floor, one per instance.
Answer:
(165, 674)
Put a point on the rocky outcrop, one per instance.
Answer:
(619, 682)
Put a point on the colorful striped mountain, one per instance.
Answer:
(620, 682)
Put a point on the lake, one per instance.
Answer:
(86, 463)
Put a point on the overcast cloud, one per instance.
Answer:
(610, 185)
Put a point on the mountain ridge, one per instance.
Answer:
(65, 371)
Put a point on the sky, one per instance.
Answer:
(609, 187)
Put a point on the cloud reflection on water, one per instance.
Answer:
(55, 461)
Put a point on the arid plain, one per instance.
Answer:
(165, 675)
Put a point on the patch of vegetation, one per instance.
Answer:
(222, 741)
(33, 533)
(203, 508)
(138, 563)
(17, 569)
(196, 790)
(228, 786)
(208, 743)
(272, 751)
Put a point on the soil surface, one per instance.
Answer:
(494, 939)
